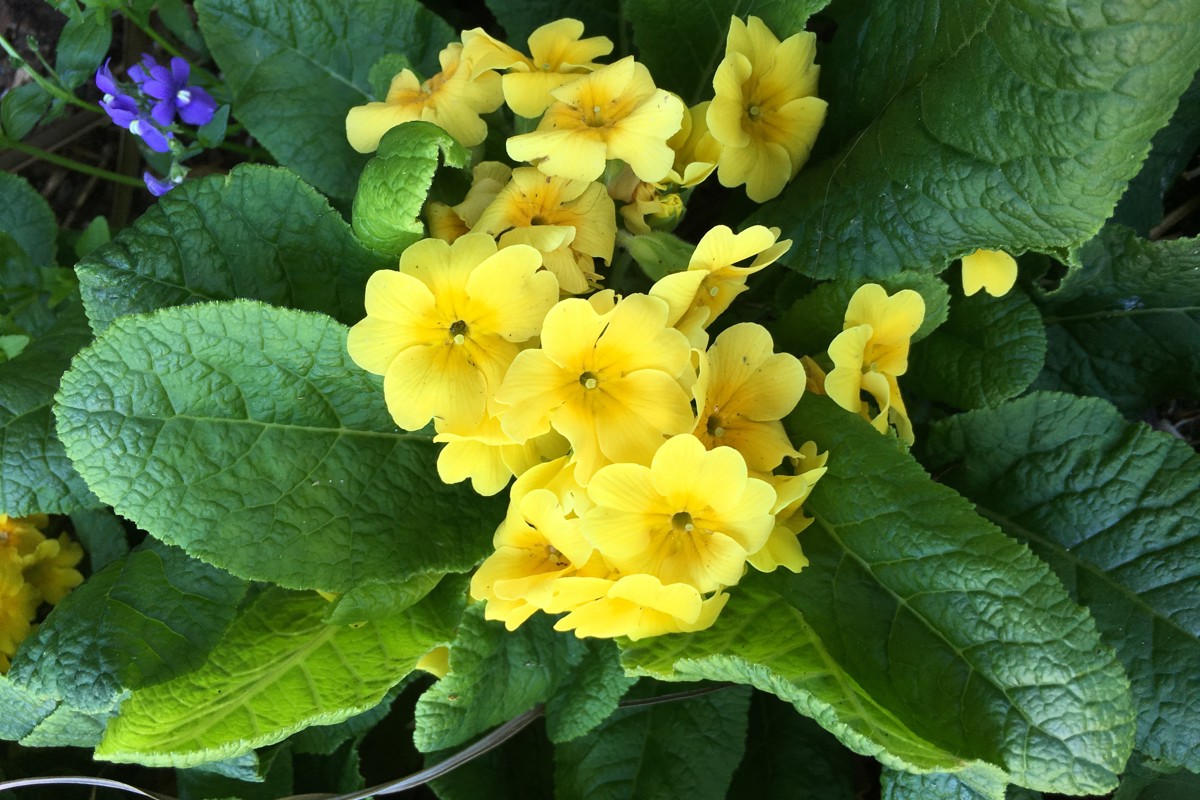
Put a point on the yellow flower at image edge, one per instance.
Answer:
(994, 271)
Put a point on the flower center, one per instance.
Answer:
(595, 120)
(135, 127)
(682, 521)
(754, 111)
(108, 98)
(715, 426)
(458, 332)
(588, 380)
(183, 97)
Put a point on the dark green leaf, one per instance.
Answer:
(1009, 126)
(27, 218)
(212, 133)
(151, 616)
(92, 237)
(590, 695)
(392, 188)
(245, 435)
(295, 69)
(599, 17)
(276, 782)
(990, 349)
(21, 108)
(258, 233)
(932, 786)
(685, 749)
(520, 769)
(1126, 327)
(383, 71)
(177, 17)
(1112, 507)
(102, 535)
(81, 47)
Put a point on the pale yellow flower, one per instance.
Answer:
(488, 456)
(636, 606)
(783, 547)
(994, 271)
(50, 569)
(559, 56)
(765, 112)
(444, 327)
(607, 382)
(449, 222)
(574, 221)
(697, 152)
(452, 99)
(615, 112)
(436, 662)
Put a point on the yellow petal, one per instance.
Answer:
(991, 270)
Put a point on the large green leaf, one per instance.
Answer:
(151, 616)
(984, 123)
(685, 749)
(1112, 507)
(245, 435)
(20, 711)
(919, 633)
(1126, 327)
(682, 48)
(27, 218)
(296, 68)
(990, 349)
(69, 727)
(934, 786)
(35, 474)
(259, 233)
(279, 669)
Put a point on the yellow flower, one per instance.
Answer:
(443, 328)
(448, 223)
(51, 568)
(615, 112)
(606, 381)
(637, 606)
(33, 569)
(706, 289)
(872, 351)
(436, 662)
(534, 548)
(994, 271)
(692, 516)
(697, 152)
(452, 99)
(488, 456)
(744, 390)
(765, 112)
(18, 607)
(575, 223)
(783, 548)
(559, 57)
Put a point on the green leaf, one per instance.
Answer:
(245, 435)
(27, 218)
(149, 617)
(81, 47)
(383, 71)
(1126, 327)
(790, 757)
(369, 601)
(212, 133)
(69, 727)
(599, 17)
(990, 349)
(20, 711)
(920, 634)
(659, 253)
(93, 236)
(686, 749)
(1112, 508)
(35, 473)
(258, 233)
(21, 108)
(494, 676)
(520, 769)
(1142, 782)
(1001, 125)
(392, 188)
(590, 695)
(275, 782)
(177, 17)
(102, 535)
(278, 669)
(325, 739)
(295, 69)
(933, 786)
(683, 50)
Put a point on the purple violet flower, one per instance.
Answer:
(159, 186)
(170, 87)
(124, 111)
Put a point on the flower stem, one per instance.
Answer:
(144, 24)
(69, 163)
(51, 88)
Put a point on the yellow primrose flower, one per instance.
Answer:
(558, 476)
(608, 382)
(452, 99)
(436, 662)
(559, 56)
(443, 328)
(637, 606)
(578, 219)
(18, 607)
(697, 152)
(449, 222)
(783, 548)
(488, 456)
(706, 289)
(51, 568)
(744, 391)
(765, 112)
(872, 351)
(615, 112)
(534, 548)
(692, 516)
(994, 271)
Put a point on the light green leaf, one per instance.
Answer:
(20, 711)
(27, 218)
(145, 619)
(990, 349)
(1126, 327)
(81, 46)
(599, 17)
(1112, 508)
(393, 186)
(93, 236)
(659, 253)
(245, 435)
(35, 473)
(258, 233)
(936, 786)
(69, 727)
(919, 633)
(325, 739)
(278, 669)
(686, 749)
(295, 69)
(683, 48)
(369, 601)
(790, 757)
(983, 123)
(102, 535)
(21, 108)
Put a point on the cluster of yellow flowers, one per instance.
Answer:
(33, 570)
